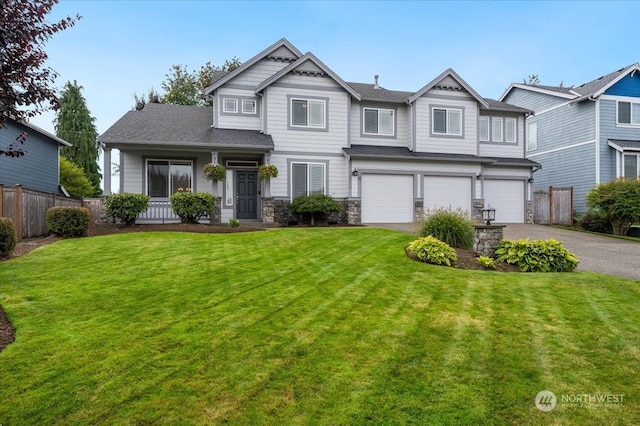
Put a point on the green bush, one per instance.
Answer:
(537, 255)
(316, 206)
(8, 237)
(595, 221)
(74, 180)
(191, 206)
(431, 250)
(126, 206)
(619, 200)
(450, 226)
(234, 223)
(68, 221)
(486, 262)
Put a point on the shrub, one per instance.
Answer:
(486, 262)
(619, 200)
(8, 237)
(267, 171)
(68, 221)
(214, 172)
(537, 255)
(191, 206)
(595, 221)
(126, 206)
(234, 223)
(316, 206)
(74, 180)
(450, 226)
(431, 250)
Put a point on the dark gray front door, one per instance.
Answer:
(247, 195)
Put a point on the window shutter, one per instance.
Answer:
(298, 112)
(316, 113)
(316, 179)
(455, 122)
(439, 121)
(298, 180)
(386, 122)
(370, 121)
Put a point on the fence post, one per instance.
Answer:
(1, 200)
(551, 205)
(571, 212)
(18, 222)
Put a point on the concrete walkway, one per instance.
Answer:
(597, 253)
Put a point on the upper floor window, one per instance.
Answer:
(308, 113)
(248, 106)
(166, 177)
(378, 121)
(510, 129)
(230, 105)
(532, 136)
(628, 113)
(307, 179)
(497, 129)
(484, 129)
(447, 121)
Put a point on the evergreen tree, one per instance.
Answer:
(75, 124)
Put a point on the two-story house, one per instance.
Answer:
(387, 155)
(583, 135)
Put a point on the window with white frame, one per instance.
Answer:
(532, 136)
(307, 179)
(248, 106)
(377, 121)
(496, 129)
(447, 121)
(230, 105)
(510, 130)
(308, 113)
(484, 129)
(166, 177)
(631, 166)
(228, 187)
(628, 113)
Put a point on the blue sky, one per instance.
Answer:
(124, 47)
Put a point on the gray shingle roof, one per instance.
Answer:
(217, 75)
(370, 93)
(597, 84)
(503, 106)
(391, 152)
(180, 125)
(625, 144)
(559, 89)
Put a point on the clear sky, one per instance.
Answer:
(119, 48)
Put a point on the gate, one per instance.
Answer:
(553, 206)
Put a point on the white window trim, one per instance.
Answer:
(631, 104)
(308, 163)
(379, 133)
(308, 100)
(254, 106)
(224, 105)
(532, 146)
(448, 132)
(494, 137)
(515, 129)
(488, 136)
(637, 155)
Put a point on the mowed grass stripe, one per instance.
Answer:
(299, 326)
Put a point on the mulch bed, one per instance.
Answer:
(467, 259)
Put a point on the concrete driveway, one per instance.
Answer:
(597, 253)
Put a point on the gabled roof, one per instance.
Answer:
(307, 57)
(561, 92)
(369, 92)
(449, 73)
(179, 125)
(504, 107)
(624, 145)
(280, 43)
(43, 132)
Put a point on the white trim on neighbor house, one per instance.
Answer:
(597, 140)
(564, 148)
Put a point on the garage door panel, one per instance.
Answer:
(507, 197)
(387, 198)
(447, 191)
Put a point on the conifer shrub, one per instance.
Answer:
(8, 237)
(68, 221)
(452, 226)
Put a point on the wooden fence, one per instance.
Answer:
(28, 209)
(553, 206)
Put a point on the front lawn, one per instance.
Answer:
(299, 326)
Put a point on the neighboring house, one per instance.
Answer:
(583, 135)
(39, 168)
(387, 155)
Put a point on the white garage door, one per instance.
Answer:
(507, 197)
(387, 198)
(445, 191)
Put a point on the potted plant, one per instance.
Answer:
(214, 172)
(267, 171)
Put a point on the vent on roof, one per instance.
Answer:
(375, 85)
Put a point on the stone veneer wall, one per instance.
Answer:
(216, 216)
(487, 237)
(476, 214)
(418, 210)
(529, 212)
(278, 210)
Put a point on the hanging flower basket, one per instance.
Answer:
(267, 171)
(214, 172)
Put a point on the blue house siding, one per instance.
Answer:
(38, 168)
(532, 100)
(627, 86)
(610, 130)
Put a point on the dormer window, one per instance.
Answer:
(377, 121)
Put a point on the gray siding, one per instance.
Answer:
(532, 100)
(38, 169)
(567, 125)
(610, 130)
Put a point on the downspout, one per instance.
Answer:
(264, 113)
(597, 137)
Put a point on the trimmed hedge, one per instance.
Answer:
(191, 206)
(431, 250)
(316, 206)
(8, 237)
(126, 206)
(68, 221)
(537, 255)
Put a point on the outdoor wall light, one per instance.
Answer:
(488, 215)
(354, 172)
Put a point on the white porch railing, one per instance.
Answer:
(159, 211)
